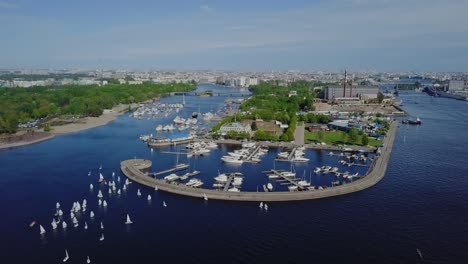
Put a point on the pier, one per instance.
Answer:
(228, 182)
(287, 180)
(176, 168)
(249, 157)
(133, 170)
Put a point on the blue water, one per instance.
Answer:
(421, 203)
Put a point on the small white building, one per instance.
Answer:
(237, 127)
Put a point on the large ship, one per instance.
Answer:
(437, 93)
(154, 142)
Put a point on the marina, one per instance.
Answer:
(132, 169)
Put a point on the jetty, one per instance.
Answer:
(228, 182)
(178, 167)
(249, 157)
(287, 180)
(134, 170)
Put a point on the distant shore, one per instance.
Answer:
(77, 126)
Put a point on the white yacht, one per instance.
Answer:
(229, 159)
(270, 187)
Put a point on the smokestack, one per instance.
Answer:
(344, 84)
(351, 88)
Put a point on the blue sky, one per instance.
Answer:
(393, 35)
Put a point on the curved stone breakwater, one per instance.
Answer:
(134, 168)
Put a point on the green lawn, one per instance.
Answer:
(336, 137)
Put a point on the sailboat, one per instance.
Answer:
(91, 186)
(164, 204)
(100, 194)
(113, 174)
(205, 197)
(118, 191)
(72, 215)
(85, 225)
(149, 197)
(91, 214)
(89, 173)
(66, 256)
(101, 178)
(124, 187)
(64, 224)
(75, 222)
(104, 203)
(42, 229)
(54, 224)
(88, 260)
(266, 207)
(128, 222)
(101, 238)
(100, 202)
(102, 226)
(183, 99)
(118, 179)
(138, 192)
(60, 212)
(100, 167)
(57, 205)
(110, 191)
(260, 205)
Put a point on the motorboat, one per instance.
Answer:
(270, 187)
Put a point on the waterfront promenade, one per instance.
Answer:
(133, 170)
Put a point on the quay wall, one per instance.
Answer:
(374, 175)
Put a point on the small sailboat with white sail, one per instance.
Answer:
(164, 204)
(129, 221)
(54, 224)
(42, 230)
(101, 238)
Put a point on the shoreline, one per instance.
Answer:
(81, 124)
(90, 122)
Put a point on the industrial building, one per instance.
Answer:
(351, 94)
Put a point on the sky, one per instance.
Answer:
(387, 35)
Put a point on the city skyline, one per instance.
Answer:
(259, 36)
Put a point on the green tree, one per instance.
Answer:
(365, 140)
(253, 126)
(353, 135)
(380, 97)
